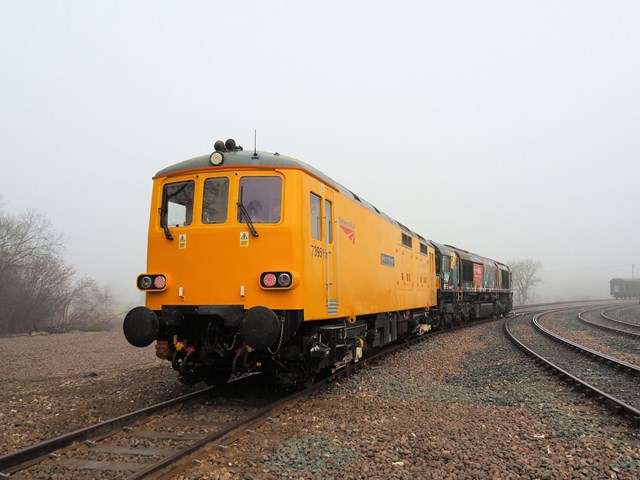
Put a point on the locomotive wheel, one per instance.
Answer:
(447, 321)
(437, 324)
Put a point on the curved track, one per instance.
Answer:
(611, 380)
(609, 323)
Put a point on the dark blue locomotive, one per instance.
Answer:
(625, 287)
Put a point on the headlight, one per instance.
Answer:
(216, 158)
(284, 279)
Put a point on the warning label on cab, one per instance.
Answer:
(244, 239)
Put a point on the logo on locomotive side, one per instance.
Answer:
(348, 228)
(387, 260)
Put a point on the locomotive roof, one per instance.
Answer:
(243, 158)
(466, 255)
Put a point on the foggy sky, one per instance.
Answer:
(511, 129)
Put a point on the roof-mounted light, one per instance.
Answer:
(216, 158)
(230, 145)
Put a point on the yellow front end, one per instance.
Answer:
(220, 261)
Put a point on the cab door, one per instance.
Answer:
(330, 250)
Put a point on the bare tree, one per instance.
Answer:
(26, 237)
(33, 275)
(524, 278)
(92, 307)
(40, 288)
(37, 287)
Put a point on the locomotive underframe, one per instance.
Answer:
(456, 307)
(204, 342)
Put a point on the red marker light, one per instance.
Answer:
(160, 282)
(269, 280)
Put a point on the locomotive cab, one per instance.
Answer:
(221, 246)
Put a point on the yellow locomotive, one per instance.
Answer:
(258, 261)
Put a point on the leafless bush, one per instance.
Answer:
(37, 288)
(91, 307)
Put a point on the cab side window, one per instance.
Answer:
(328, 221)
(316, 220)
(446, 267)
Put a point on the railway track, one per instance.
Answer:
(611, 380)
(540, 307)
(611, 324)
(159, 440)
(129, 443)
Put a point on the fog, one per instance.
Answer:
(511, 129)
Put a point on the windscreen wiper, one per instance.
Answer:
(163, 224)
(244, 213)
